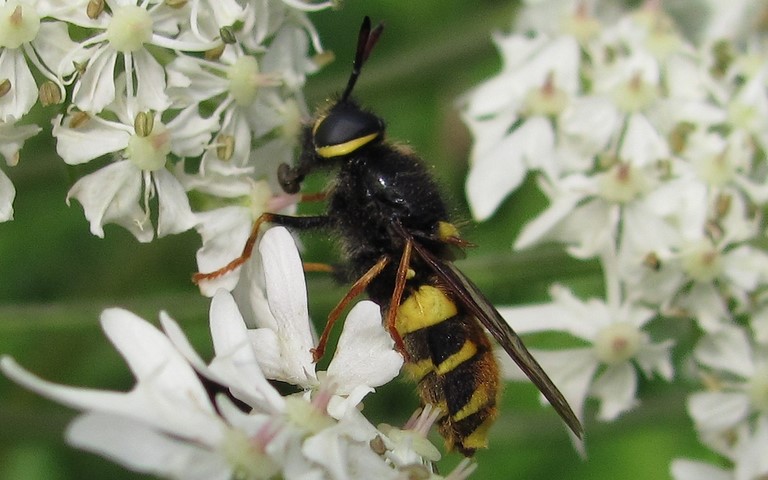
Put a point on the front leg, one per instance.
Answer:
(301, 223)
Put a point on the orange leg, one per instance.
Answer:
(354, 291)
(397, 295)
(317, 267)
(313, 197)
(286, 220)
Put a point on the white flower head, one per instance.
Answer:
(174, 425)
(747, 459)
(604, 370)
(120, 192)
(736, 371)
(365, 357)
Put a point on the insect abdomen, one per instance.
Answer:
(450, 358)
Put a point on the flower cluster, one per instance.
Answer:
(648, 138)
(176, 112)
(187, 418)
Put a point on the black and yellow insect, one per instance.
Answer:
(398, 244)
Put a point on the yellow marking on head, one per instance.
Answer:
(418, 370)
(350, 146)
(446, 230)
(478, 400)
(410, 274)
(478, 438)
(467, 351)
(317, 124)
(425, 307)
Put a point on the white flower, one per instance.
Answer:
(168, 407)
(120, 192)
(224, 230)
(748, 458)
(364, 358)
(169, 425)
(537, 81)
(7, 195)
(604, 370)
(26, 38)
(248, 101)
(12, 138)
(736, 371)
(124, 32)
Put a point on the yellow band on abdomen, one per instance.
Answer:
(426, 307)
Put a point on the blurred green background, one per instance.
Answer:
(57, 277)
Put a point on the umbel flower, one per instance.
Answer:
(645, 132)
(188, 418)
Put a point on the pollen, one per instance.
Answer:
(446, 230)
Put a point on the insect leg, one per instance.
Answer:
(356, 289)
(397, 295)
(318, 267)
(285, 220)
(313, 197)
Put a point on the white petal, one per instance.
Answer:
(728, 350)
(745, 267)
(152, 357)
(96, 87)
(52, 43)
(545, 317)
(571, 370)
(751, 460)
(500, 170)
(189, 83)
(708, 307)
(23, 93)
(287, 294)
(177, 416)
(175, 214)
(266, 347)
(365, 353)
(7, 194)
(233, 347)
(682, 469)
(718, 411)
(656, 358)
(142, 449)
(224, 232)
(642, 144)
(191, 132)
(565, 313)
(615, 388)
(588, 124)
(150, 79)
(540, 227)
(90, 140)
(111, 195)
(12, 138)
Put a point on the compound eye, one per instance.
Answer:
(345, 130)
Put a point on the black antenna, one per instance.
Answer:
(366, 39)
